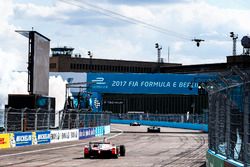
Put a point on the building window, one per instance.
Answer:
(132, 69)
(127, 69)
(52, 65)
(141, 69)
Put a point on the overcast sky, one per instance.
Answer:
(125, 29)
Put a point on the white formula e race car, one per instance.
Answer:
(154, 129)
(135, 124)
(103, 150)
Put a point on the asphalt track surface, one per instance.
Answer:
(171, 147)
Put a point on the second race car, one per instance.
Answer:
(135, 124)
(154, 129)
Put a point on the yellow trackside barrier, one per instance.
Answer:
(4, 140)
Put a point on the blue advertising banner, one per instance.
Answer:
(107, 129)
(95, 102)
(42, 137)
(86, 132)
(99, 131)
(144, 83)
(23, 138)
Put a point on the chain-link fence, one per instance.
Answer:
(37, 119)
(229, 115)
(28, 119)
(1, 118)
(179, 118)
(77, 119)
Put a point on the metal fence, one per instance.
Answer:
(1, 118)
(180, 118)
(229, 115)
(77, 119)
(28, 119)
(37, 119)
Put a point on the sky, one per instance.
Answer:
(123, 30)
(90, 25)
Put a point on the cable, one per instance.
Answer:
(118, 16)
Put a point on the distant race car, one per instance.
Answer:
(103, 150)
(154, 129)
(135, 124)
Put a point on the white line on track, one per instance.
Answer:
(55, 148)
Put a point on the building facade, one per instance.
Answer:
(62, 60)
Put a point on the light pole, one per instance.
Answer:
(159, 48)
(234, 37)
(90, 60)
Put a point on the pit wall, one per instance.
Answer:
(19, 139)
(217, 160)
(202, 127)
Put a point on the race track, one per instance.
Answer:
(171, 147)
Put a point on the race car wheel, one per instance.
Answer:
(86, 156)
(115, 156)
(122, 150)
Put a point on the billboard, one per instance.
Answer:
(64, 135)
(41, 137)
(86, 133)
(41, 65)
(38, 62)
(138, 83)
(5, 140)
(99, 131)
(23, 138)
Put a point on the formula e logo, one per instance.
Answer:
(99, 81)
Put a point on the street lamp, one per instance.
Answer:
(90, 60)
(234, 37)
(159, 48)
